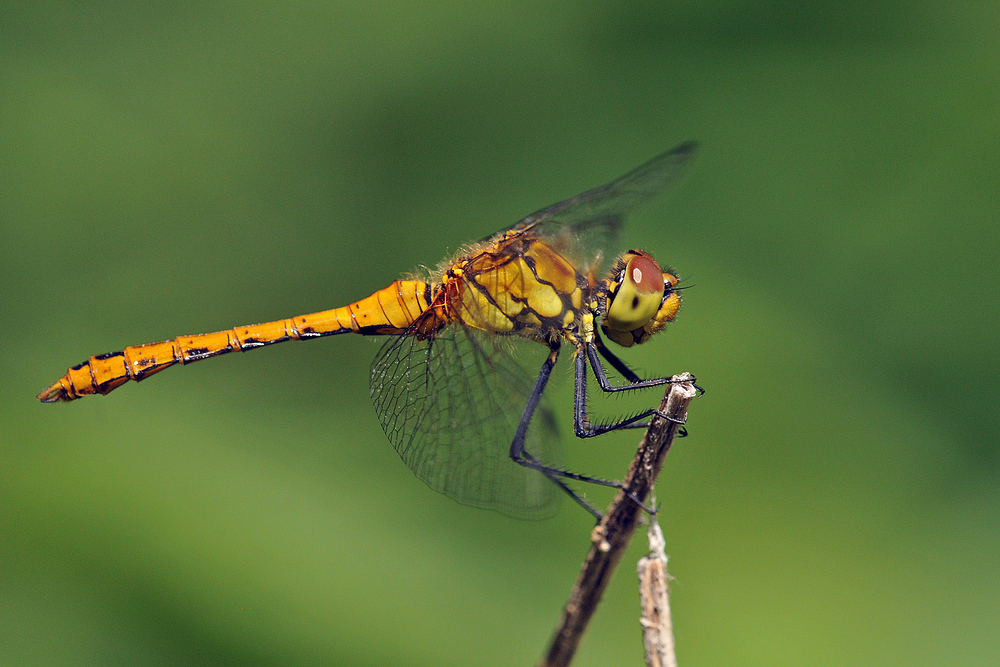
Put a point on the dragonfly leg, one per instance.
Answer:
(577, 498)
(581, 420)
(628, 374)
(612, 359)
(522, 457)
(634, 381)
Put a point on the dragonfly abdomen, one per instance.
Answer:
(390, 310)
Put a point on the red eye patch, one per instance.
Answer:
(645, 273)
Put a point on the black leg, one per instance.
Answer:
(615, 362)
(634, 381)
(602, 378)
(524, 458)
(579, 500)
(581, 421)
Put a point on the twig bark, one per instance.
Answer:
(610, 538)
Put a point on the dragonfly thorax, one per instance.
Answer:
(520, 285)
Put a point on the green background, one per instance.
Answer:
(173, 168)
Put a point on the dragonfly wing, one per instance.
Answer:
(589, 222)
(450, 405)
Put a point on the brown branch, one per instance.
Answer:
(610, 538)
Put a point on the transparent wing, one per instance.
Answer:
(450, 405)
(582, 227)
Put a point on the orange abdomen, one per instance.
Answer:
(390, 310)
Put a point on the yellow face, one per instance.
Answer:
(641, 299)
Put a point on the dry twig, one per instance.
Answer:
(612, 535)
(657, 627)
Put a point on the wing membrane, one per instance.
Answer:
(450, 405)
(585, 225)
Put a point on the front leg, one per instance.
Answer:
(633, 381)
(615, 362)
(581, 421)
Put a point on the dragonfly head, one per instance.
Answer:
(641, 299)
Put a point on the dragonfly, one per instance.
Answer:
(446, 385)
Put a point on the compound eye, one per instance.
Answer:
(639, 295)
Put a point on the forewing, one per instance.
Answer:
(450, 405)
(585, 225)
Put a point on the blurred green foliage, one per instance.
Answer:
(185, 167)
